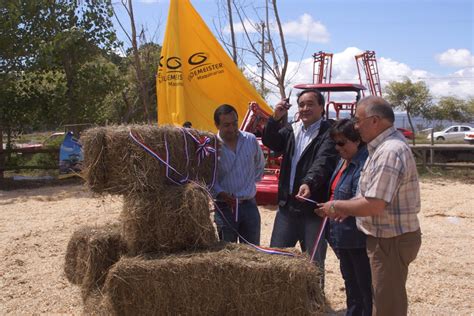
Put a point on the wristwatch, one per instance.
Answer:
(332, 208)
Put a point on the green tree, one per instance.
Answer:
(96, 81)
(453, 109)
(132, 103)
(19, 40)
(20, 34)
(141, 54)
(413, 98)
(59, 36)
(43, 95)
(16, 115)
(470, 107)
(81, 31)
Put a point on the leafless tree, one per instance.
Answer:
(232, 33)
(142, 82)
(260, 38)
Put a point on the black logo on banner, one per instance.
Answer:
(197, 59)
(170, 69)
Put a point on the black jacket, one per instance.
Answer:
(314, 168)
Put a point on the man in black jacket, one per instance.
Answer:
(309, 158)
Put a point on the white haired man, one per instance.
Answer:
(386, 206)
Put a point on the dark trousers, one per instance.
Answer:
(389, 260)
(247, 224)
(355, 270)
(288, 230)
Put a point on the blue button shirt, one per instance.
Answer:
(303, 136)
(237, 172)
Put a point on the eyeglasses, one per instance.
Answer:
(356, 120)
(341, 144)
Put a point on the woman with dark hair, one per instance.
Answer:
(345, 239)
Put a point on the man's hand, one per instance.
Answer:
(281, 109)
(304, 191)
(329, 209)
(227, 198)
(319, 212)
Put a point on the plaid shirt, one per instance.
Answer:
(390, 174)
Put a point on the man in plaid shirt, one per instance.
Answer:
(386, 206)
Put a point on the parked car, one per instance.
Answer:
(455, 132)
(469, 137)
(55, 139)
(407, 133)
(27, 145)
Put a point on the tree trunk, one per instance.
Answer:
(284, 66)
(68, 66)
(232, 34)
(131, 109)
(411, 126)
(9, 143)
(2, 157)
(143, 90)
(279, 56)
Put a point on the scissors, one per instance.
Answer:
(287, 100)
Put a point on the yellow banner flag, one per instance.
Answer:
(196, 75)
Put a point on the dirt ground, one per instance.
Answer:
(36, 224)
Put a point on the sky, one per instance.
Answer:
(429, 40)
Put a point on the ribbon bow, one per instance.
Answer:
(204, 148)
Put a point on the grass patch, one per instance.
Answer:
(464, 175)
(423, 140)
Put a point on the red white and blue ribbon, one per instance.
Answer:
(320, 230)
(167, 163)
(204, 150)
(185, 149)
(150, 151)
(156, 156)
(236, 211)
(267, 250)
(318, 237)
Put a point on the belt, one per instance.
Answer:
(242, 201)
(235, 208)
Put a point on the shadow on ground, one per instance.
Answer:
(8, 184)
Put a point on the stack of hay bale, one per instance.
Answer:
(164, 257)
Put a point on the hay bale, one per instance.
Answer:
(94, 304)
(232, 280)
(168, 220)
(90, 253)
(114, 164)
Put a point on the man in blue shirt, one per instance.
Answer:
(241, 165)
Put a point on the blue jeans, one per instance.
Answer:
(355, 270)
(247, 225)
(289, 229)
